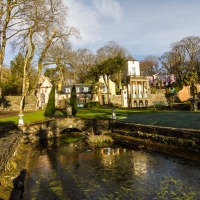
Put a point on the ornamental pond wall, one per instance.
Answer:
(125, 133)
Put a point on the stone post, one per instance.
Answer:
(69, 111)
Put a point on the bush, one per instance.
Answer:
(51, 109)
(94, 104)
(73, 101)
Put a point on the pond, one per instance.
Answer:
(57, 170)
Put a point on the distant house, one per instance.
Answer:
(43, 91)
(83, 92)
(162, 79)
(104, 89)
(101, 91)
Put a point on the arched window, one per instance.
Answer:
(141, 103)
(146, 103)
(42, 98)
(198, 105)
(135, 103)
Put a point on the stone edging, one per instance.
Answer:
(8, 147)
(183, 138)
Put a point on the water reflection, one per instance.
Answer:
(74, 171)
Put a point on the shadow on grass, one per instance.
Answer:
(7, 123)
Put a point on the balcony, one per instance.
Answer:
(136, 77)
(139, 96)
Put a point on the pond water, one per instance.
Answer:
(57, 170)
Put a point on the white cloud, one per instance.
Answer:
(109, 8)
(85, 19)
(142, 27)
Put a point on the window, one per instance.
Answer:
(133, 71)
(85, 89)
(77, 89)
(67, 90)
(104, 88)
(42, 98)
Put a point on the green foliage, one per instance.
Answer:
(73, 101)
(190, 78)
(111, 65)
(12, 82)
(94, 104)
(107, 67)
(51, 72)
(51, 109)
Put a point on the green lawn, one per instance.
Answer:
(176, 119)
(28, 117)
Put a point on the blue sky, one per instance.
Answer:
(143, 27)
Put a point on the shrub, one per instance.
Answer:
(73, 101)
(51, 109)
(94, 104)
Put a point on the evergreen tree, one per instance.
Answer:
(73, 101)
(51, 109)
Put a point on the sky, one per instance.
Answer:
(142, 27)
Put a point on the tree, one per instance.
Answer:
(42, 25)
(10, 25)
(52, 74)
(51, 109)
(110, 50)
(60, 56)
(191, 79)
(183, 57)
(73, 100)
(81, 62)
(43, 28)
(109, 67)
(149, 66)
(16, 68)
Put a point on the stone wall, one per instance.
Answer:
(116, 100)
(11, 103)
(11, 139)
(57, 127)
(183, 138)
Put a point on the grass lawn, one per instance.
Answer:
(28, 117)
(176, 119)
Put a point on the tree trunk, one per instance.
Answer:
(106, 81)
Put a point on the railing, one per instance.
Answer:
(139, 96)
(136, 76)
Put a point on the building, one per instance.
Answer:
(83, 91)
(43, 91)
(136, 93)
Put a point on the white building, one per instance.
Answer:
(136, 92)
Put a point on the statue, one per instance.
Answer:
(113, 114)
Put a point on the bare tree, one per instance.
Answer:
(149, 66)
(82, 61)
(42, 28)
(183, 57)
(9, 25)
(109, 50)
(60, 55)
